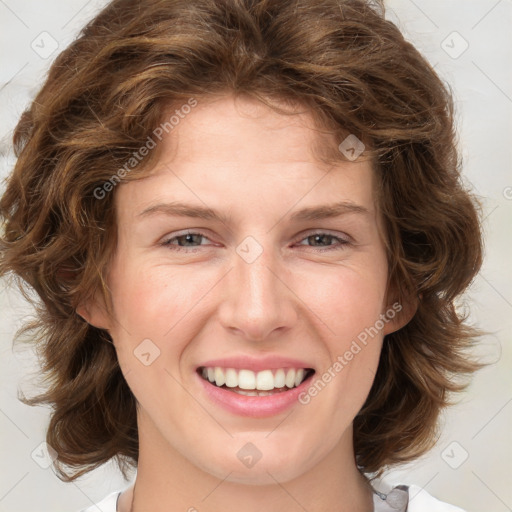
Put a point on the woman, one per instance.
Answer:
(246, 226)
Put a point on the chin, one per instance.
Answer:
(252, 466)
(261, 474)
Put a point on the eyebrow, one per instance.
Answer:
(180, 209)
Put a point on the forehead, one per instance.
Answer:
(231, 150)
(242, 127)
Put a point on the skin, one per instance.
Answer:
(301, 298)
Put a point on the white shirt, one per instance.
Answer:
(417, 499)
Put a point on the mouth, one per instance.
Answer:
(251, 383)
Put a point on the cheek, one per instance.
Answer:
(345, 300)
(151, 300)
(349, 305)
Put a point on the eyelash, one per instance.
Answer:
(342, 242)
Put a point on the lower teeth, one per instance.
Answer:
(253, 392)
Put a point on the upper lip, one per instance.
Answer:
(268, 362)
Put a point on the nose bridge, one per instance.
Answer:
(257, 301)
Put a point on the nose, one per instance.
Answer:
(257, 300)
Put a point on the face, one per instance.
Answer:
(230, 268)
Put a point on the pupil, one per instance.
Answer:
(186, 237)
(317, 238)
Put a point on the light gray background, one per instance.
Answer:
(479, 426)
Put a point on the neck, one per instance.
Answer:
(168, 481)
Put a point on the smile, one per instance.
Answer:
(250, 383)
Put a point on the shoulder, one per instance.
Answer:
(410, 498)
(107, 504)
(421, 501)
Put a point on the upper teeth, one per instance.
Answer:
(247, 379)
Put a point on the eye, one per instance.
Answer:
(181, 242)
(191, 240)
(323, 238)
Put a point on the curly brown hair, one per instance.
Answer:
(104, 95)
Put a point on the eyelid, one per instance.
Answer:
(343, 239)
(179, 234)
(341, 236)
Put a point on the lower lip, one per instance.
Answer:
(254, 406)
